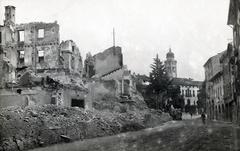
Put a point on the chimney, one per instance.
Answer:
(9, 15)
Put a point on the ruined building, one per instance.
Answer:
(171, 64)
(108, 66)
(35, 68)
(70, 57)
(89, 66)
(8, 53)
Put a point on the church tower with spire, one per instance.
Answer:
(171, 64)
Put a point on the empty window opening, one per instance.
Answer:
(73, 48)
(53, 100)
(40, 56)
(78, 102)
(21, 56)
(40, 33)
(19, 91)
(21, 35)
(0, 37)
(72, 62)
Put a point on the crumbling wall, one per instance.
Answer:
(8, 56)
(108, 61)
(36, 96)
(102, 87)
(31, 33)
(23, 97)
(72, 60)
(34, 47)
(7, 36)
(51, 56)
(89, 70)
(74, 94)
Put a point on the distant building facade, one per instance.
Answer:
(189, 89)
(171, 64)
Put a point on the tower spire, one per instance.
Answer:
(113, 37)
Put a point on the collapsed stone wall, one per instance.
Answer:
(108, 60)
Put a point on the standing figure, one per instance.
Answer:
(203, 116)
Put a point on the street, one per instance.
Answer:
(186, 135)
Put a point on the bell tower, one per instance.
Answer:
(171, 64)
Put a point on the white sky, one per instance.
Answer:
(195, 29)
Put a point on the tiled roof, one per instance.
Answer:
(185, 82)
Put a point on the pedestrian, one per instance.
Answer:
(191, 114)
(203, 116)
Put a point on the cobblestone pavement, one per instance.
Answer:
(186, 135)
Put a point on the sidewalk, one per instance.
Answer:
(187, 116)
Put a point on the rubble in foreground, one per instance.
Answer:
(37, 126)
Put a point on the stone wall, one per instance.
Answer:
(71, 56)
(36, 95)
(41, 96)
(34, 46)
(108, 61)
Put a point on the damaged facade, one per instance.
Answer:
(108, 66)
(8, 53)
(35, 67)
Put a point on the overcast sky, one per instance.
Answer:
(195, 29)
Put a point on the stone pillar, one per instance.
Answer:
(122, 85)
(1, 67)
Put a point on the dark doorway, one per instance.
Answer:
(78, 103)
(53, 100)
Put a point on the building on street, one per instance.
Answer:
(214, 86)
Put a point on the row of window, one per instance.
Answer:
(171, 69)
(22, 54)
(189, 102)
(21, 34)
(189, 93)
(218, 92)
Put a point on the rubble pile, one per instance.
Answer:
(132, 114)
(37, 126)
